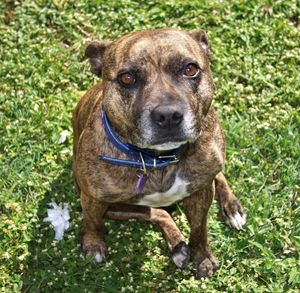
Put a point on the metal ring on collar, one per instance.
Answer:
(143, 162)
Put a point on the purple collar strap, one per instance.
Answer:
(141, 159)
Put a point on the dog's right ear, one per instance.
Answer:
(94, 52)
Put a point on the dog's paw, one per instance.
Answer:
(207, 267)
(181, 254)
(233, 214)
(93, 246)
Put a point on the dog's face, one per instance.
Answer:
(157, 85)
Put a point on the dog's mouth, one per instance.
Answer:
(167, 146)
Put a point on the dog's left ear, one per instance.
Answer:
(94, 52)
(201, 37)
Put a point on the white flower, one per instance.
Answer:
(59, 219)
(63, 136)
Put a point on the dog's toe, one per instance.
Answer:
(93, 245)
(99, 256)
(181, 254)
(207, 267)
(234, 215)
(236, 220)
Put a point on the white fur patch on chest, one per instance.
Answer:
(178, 191)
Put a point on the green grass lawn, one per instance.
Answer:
(256, 46)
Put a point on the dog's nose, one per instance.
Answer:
(167, 117)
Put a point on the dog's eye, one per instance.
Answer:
(126, 79)
(191, 70)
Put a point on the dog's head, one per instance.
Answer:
(157, 85)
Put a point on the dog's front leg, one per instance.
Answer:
(196, 209)
(92, 235)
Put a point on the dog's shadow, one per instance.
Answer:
(137, 253)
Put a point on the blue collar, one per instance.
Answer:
(140, 158)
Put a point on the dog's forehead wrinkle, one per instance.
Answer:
(158, 44)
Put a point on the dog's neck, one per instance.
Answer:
(140, 159)
(148, 158)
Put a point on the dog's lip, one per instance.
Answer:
(168, 139)
(176, 142)
(167, 143)
(167, 146)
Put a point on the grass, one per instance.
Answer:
(256, 67)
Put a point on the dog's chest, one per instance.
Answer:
(177, 191)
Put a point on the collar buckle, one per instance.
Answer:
(174, 161)
(173, 158)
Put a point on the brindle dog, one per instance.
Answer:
(156, 91)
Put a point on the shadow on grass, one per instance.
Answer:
(134, 248)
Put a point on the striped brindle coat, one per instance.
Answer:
(156, 90)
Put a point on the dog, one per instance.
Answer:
(147, 137)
